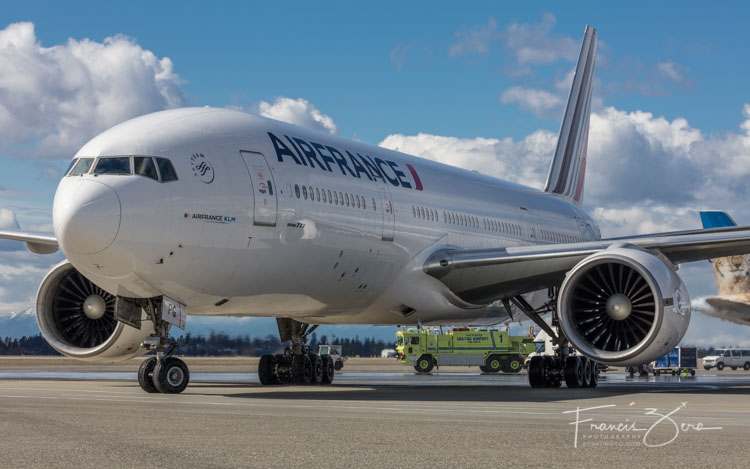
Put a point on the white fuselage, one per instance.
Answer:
(232, 236)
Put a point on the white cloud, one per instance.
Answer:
(475, 39)
(539, 102)
(8, 219)
(299, 112)
(534, 43)
(56, 98)
(398, 56)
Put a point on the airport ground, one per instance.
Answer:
(378, 413)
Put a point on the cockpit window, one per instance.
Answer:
(72, 163)
(115, 165)
(144, 166)
(82, 167)
(166, 169)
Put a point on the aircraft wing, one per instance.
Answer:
(40, 243)
(486, 275)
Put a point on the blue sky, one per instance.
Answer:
(480, 87)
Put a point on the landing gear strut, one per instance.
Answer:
(163, 373)
(298, 364)
(549, 371)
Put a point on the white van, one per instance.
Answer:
(734, 358)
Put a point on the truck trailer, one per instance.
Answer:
(491, 350)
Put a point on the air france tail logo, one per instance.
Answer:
(328, 158)
(202, 168)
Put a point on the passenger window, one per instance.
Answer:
(346, 197)
(374, 205)
(144, 166)
(341, 198)
(335, 198)
(330, 199)
(364, 203)
(72, 163)
(414, 341)
(317, 194)
(296, 190)
(359, 203)
(166, 169)
(324, 195)
(304, 192)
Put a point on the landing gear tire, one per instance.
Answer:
(595, 375)
(145, 375)
(493, 364)
(536, 372)
(327, 370)
(423, 364)
(301, 369)
(586, 372)
(265, 370)
(574, 372)
(317, 369)
(171, 375)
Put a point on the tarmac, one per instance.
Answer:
(376, 414)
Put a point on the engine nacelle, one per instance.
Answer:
(623, 306)
(77, 319)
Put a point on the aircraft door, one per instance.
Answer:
(387, 209)
(531, 223)
(263, 188)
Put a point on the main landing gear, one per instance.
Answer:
(550, 371)
(298, 364)
(162, 373)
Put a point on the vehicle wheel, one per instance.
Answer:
(574, 372)
(494, 363)
(720, 366)
(657, 373)
(327, 370)
(265, 370)
(536, 372)
(512, 365)
(746, 366)
(424, 364)
(706, 367)
(734, 368)
(317, 369)
(171, 375)
(586, 372)
(145, 375)
(338, 365)
(692, 372)
(482, 368)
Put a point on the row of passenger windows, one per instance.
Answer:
(554, 237)
(327, 196)
(462, 219)
(158, 169)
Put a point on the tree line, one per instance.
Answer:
(218, 344)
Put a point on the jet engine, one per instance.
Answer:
(623, 306)
(77, 318)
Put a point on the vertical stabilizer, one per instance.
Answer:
(568, 167)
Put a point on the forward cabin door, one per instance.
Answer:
(389, 217)
(263, 188)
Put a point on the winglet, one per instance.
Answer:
(566, 174)
(716, 219)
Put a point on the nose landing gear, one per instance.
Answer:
(163, 373)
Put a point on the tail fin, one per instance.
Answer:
(568, 167)
(716, 219)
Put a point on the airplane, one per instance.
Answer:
(732, 276)
(215, 212)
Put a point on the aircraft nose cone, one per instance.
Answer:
(86, 216)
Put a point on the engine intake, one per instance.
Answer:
(77, 318)
(623, 306)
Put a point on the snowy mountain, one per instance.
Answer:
(17, 325)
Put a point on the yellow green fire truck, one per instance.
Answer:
(491, 350)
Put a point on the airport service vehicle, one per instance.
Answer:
(642, 370)
(205, 211)
(333, 351)
(733, 358)
(491, 350)
(677, 361)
